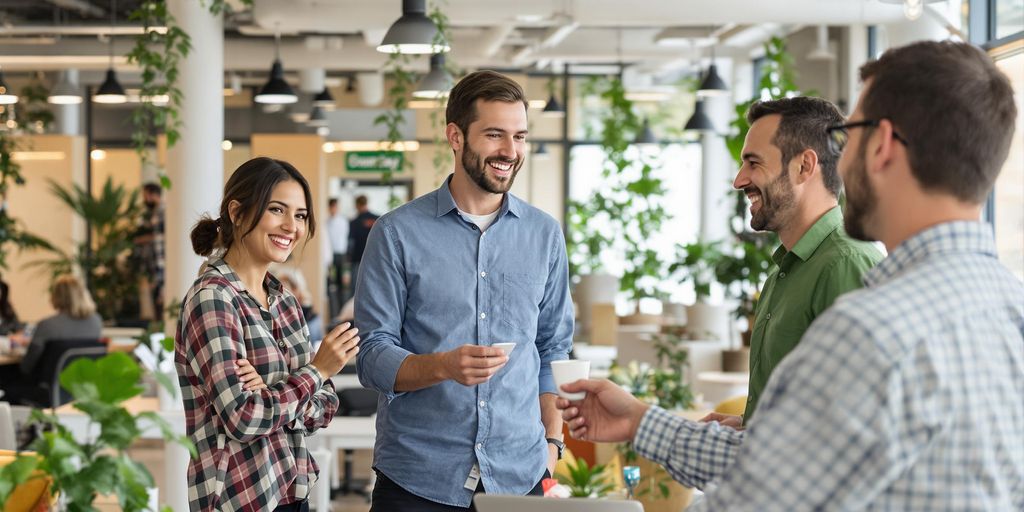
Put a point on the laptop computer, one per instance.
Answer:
(495, 503)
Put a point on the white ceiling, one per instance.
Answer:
(340, 35)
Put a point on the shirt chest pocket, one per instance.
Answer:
(521, 297)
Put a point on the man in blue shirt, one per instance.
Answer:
(443, 279)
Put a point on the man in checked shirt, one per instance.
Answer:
(906, 394)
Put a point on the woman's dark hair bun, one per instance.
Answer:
(205, 236)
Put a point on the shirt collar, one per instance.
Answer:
(813, 238)
(274, 287)
(949, 237)
(446, 203)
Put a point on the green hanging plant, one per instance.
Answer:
(158, 55)
(443, 156)
(36, 116)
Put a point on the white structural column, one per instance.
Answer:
(196, 168)
(717, 172)
(856, 56)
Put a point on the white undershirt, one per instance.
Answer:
(482, 221)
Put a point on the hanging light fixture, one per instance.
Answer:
(317, 117)
(912, 9)
(699, 121)
(7, 97)
(712, 84)
(324, 99)
(110, 90)
(541, 151)
(414, 32)
(437, 83)
(646, 135)
(553, 108)
(66, 90)
(276, 91)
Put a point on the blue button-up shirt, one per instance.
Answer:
(430, 282)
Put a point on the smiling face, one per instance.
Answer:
(764, 178)
(495, 146)
(282, 224)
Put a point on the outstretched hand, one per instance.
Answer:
(607, 414)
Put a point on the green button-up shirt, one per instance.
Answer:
(823, 265)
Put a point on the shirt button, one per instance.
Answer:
(483, 403)
(782, 275)
(768, 316)
(281, 344)
(483, 315)
(483, 274)
(479, 446)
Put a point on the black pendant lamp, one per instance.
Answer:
(276, 91)
(437, 83)
(111, 91)
(324, 99)
(413, 33)
(646, 135)
(699, 121)
(712, 84)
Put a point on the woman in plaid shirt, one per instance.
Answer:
(251, 385)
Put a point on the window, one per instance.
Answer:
(1009, 188)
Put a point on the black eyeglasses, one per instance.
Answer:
(839, 134)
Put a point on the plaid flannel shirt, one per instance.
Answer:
(905, 395)
(252, 451)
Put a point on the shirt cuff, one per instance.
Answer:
(657, 433)
(545, 379)
(386, 364)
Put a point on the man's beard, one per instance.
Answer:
(861, 199)
(776, 204)
(475, 168)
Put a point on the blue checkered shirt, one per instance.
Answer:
(905, 395)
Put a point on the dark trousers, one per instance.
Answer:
(336, 293)
(389, 497)
(298, 506)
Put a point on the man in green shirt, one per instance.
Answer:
(789, 175)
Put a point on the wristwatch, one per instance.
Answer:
(558, 444)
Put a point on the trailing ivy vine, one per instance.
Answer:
(158, 56)
(443, 156)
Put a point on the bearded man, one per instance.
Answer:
(443, 278)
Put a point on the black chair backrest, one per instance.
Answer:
(357, 402)
(57, 355)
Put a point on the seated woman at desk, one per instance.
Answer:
(252, 386)
(76, 318)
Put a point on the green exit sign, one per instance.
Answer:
(373, 161)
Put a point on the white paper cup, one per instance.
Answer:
(568, 371)
(505, 347)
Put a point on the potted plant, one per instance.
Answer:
(664, 385)
(112, 218)
(585, 481)
(81, 470)
(698, 263)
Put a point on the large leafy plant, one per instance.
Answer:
(112, 216)
(81, 470)
(663, 385)
(630, 208)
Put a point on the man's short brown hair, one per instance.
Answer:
(481, 85)
(953, 107)
(803, 126)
